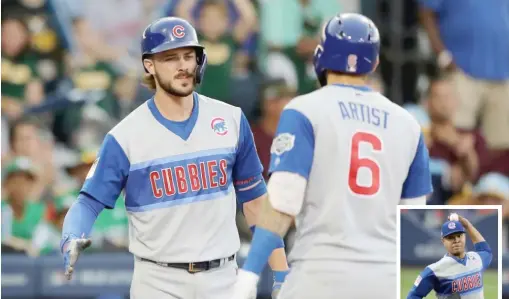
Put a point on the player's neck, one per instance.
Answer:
(460, 256)
(173, 107)
(333, 78)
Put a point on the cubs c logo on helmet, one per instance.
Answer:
(178, 31)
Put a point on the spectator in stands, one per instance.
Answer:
(108, 30)
(21, 83)
(498, 162)
(22, 210)
(96, 77)
(292, 28)
(491, 189)
(44, 40)
(48, 233)
(111, 227)
(276, 95)
(223, 43)
(28, 138)
(461, 152)
(470, 40)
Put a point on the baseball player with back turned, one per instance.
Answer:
(184, 161)
(458, 274)
(343, 158)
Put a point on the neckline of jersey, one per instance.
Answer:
(462, 261)
(183, 128)
(358, 87)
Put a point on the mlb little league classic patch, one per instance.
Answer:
(282, 143)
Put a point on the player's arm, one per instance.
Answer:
(428, 19)
(291, 160)
(480, 245)
(417, 185)
(277, 260)
(101, 189)
(424, 284)
(251, 192)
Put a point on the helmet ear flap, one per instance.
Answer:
(318, 65)
(201, 64)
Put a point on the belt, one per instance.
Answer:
(194, 267)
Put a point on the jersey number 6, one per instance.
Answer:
(356, 163)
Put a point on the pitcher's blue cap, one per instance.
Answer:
(451, 227)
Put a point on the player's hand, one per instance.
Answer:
(279, 279)
(464, 221)
(465, 145)
(72, 252)
(246, 285)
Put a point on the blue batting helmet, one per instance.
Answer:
(172, 33)
(349, 44)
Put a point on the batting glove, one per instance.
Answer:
(72, 250)
(279, 278)
(246, 285)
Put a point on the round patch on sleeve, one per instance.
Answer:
(283, 142)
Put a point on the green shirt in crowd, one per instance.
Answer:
(220, 58)
(21, 228)
(110, 225)
(99, 79)
(17, 72)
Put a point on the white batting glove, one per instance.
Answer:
(246, 285)
(72, 253)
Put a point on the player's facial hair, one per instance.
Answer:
(168, 87)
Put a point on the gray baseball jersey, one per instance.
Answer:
(182, 180)
(452, 275)
(360, 155)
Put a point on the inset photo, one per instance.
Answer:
(450, 252)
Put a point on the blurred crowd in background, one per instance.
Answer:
(71, 70)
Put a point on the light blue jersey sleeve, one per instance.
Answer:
(424, 284)
(484, 251)
(247, 171)
(293, 147)
(80, 218)
(418, 181)
(108, 175)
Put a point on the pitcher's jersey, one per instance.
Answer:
(454, 275)
(360, 154)
(181, 179)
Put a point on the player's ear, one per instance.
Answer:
(149, 66)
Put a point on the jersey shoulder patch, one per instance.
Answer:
(417, 281)
(283, 142)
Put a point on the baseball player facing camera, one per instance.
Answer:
(459, 274)
(184, 162)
